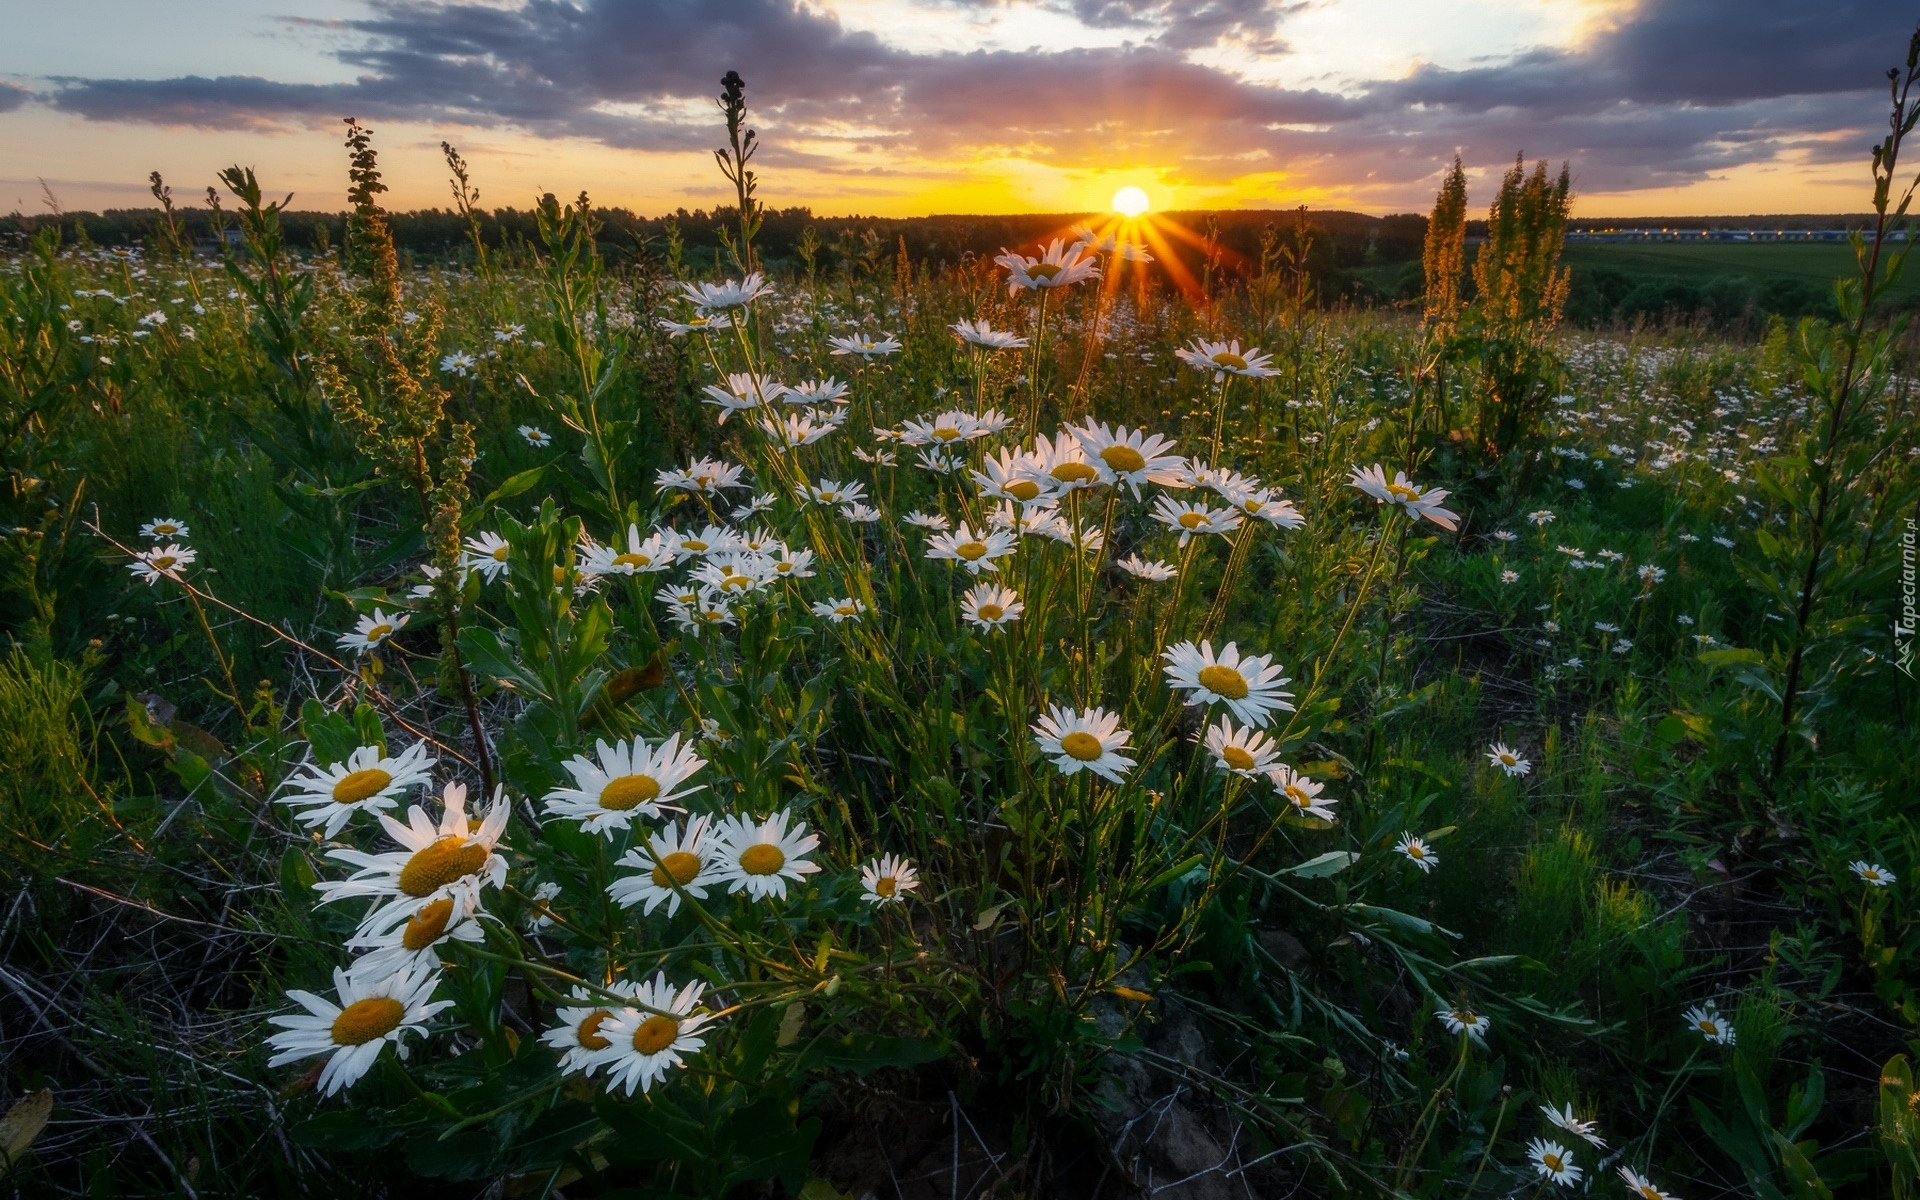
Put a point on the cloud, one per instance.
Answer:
(13, 95)
(1666, 92)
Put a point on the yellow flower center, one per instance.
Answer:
(729, 583)
(1237, 758)
(1416, 850)
(970, 550)
(166, 530)
(1402, 493)
(1223, 681)
(946, 433)
(678, 867)
(425, 927)
(1074, 472)
(1552, 1162)
(439, 863)
(1298, 795)
(762, 859)
(629, 791)
(1228, 358)
(1123, 458)
(633, 562)
(695, 545)
(703, 482)
(846, 610)
(499, 552)
(1083, 746)
(379, 632)
(1023, 490)
(782, 567)
(360, 785)
(1509, 759)
(1192, 520)
(1043, 270)
(655, 1034)
(364, 1020)
(588, 1033)
(163, 562)
(886, 887)
(991, 612)
(1708, 1026)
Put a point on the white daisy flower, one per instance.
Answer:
(450, 859)
(536, 437)
(1010, 475)
(1251, 687)
(1509, 577)
(414, 943)
(1187, 519)
(486, 553)
(1464, 1020)
(1303, 793)
(1642, 1187)
(579, 1037)
(1247, 752)
(1553, 1161)
(1418, 852)
(1058, 465)
(657, 551)
(760, 859)
(979, 333)
(1542, 516)
(707, 610)
(704, 476)
(989, 606)
(736, 574)
(373, 1011)
(1872, 874)
(371, 630)
(1564, 1118)
(864, 346)
(844, 609)
(675, 859)
(976, 552)
(920, 520)
(368, 781)
(1508, 759)
(1084, 741)
(1226, 358)
(1059, 265)
(1706, 1021)
(859, 514)
(710, 540)
(832, 491)
(887, 880)
(629, 781)
(162, 529)
(1418, 501)
(1130, 457)
(1151, 570)
(161, 562)
(818, 391)
(649, 1039)
(732, 293)
(742, 392)
(791, 564)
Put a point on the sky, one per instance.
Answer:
(907, 107)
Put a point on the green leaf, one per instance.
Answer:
(332, 736)
(514, 485)
(1322, 866)
(21, 1125)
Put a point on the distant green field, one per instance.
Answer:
(1817, 264)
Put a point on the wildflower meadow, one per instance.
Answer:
(565, 719)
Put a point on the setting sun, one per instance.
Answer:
(1130, 202)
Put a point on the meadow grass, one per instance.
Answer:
(1169, 973)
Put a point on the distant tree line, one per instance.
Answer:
(1350, 257)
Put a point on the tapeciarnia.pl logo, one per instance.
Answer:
(1909, 617)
